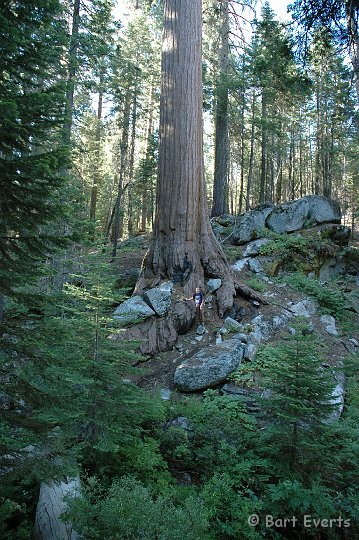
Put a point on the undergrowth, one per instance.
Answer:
(330, 298)
(248, 375)
(289, 247)
(256, 284)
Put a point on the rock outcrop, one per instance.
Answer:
(132, 309)
(288, 217)
(159, 298)
(251, 225)
(284, 218)
(209, 367)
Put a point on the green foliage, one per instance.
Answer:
(290, 498)
(129, 510)
(65, 373)
(291, 248)
(220, 429)
(256, 284)
(330, 297)
(298, 408)
(31, 108)
(233, 253)
(249, 373)
(349, 426)
(230, 500)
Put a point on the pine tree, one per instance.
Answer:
(31, 102)
(296, 430)
(69, 405)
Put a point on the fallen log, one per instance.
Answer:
(50, 506)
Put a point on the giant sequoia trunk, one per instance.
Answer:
(184, 247)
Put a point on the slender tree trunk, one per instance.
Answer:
(242, 147)
(270, 188)
(279, 183)
(263, 151)
(291, 163)
(71, 77)
(251, 157)
(96, 175)
(318, 145)
(221, 156)
(131, 164)
(184, 248)
(146, 202)
(124, 145)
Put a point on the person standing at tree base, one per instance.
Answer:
(198, 299)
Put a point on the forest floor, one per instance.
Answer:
(157, 372)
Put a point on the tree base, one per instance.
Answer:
(189, 265)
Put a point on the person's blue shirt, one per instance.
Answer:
(198, 298)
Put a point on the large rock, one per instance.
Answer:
(250, 226)
(329, 322)
(213, 284)
(262, 328)
(308, 211)
(323, 210)
(289, 217)
(132, 309)
(253, 248)
(338, 399)
(240, 264)
(159, 298)
(209, 367)
(219, 230)
(352, 299)
(305, 308)
(232, 325)
(226, 220)
(331, 268)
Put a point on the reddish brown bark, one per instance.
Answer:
(184, 247)
(221, 154)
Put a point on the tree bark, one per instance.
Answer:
(131, 164)
(146, 202)
(251, 157)
(184, 248)
(241, 192)
(263, 150)
(96, 174)
(220, 185)
(123, 152)
(291, 173)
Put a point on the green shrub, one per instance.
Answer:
(294, 250)
(256, 284)
(330, 298)
(130, 511)
(248, 374)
